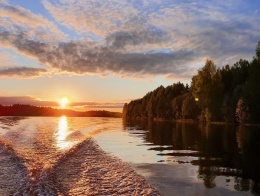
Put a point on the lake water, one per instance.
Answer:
(177, 158)
(190, 158)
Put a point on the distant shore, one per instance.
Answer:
(29, 110)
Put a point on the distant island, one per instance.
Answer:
(229, 94)
(29, 110)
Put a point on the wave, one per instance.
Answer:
(87, 170)
(14, 175)
(83, 170)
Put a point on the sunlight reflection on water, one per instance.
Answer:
(62, 133)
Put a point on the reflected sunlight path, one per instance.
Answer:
(62, 134)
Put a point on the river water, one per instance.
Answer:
(176, 158)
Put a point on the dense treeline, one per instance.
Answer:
(227, 94)
(28, 110)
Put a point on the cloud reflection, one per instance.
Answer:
(62, 133)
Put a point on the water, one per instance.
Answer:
(190, 158)
(35, 145)
(42, 140)
(178, 158)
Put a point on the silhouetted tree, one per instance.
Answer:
(177, 106)
(190, 108)
(207, 88)
(229, 94)
(252, 88)
(124, 110)
(242, 112)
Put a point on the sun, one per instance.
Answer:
(63, 102)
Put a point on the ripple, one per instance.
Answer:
(13, 173)
(93, 172)
(32, 161)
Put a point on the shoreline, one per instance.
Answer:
(187, 121)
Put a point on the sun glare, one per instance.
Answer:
(64, 102)
(62, 133)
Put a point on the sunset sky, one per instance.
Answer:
(101, 54)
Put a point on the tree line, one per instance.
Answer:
(29, 110)
(227, 94)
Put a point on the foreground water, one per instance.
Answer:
(190, 158)
(55, 156)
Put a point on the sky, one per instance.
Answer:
(101, 54)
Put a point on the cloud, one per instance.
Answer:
(227, 42)
(9, 68)
(17, 19)
(27, 100)
(21, 72)
(100, 18)
(131, 38)
(121, 39)
(86, 57)
(214, 29)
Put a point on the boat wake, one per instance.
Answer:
(83, 170)
(14, 175)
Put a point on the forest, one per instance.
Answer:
(228, 94)
(29, 110)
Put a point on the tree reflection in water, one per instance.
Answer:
(219, 150)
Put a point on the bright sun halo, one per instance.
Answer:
(64, 102)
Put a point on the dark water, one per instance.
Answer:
(229, 152)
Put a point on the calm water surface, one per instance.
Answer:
(179, 158)
(191, 159)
